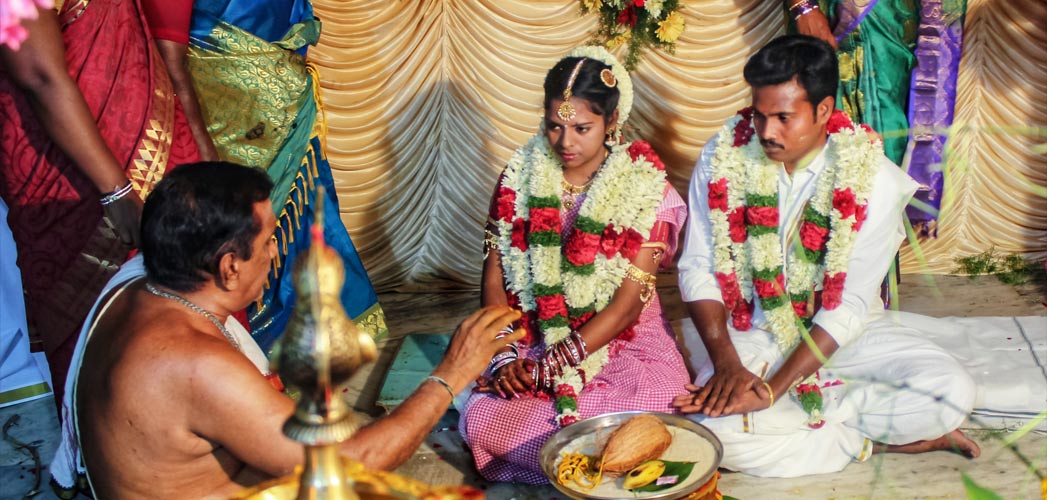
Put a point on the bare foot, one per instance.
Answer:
(955, 441)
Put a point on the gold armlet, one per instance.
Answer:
(645, 279)
(490, 242)
(660, 247)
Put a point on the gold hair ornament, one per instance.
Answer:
(566, 111)
(607, 77)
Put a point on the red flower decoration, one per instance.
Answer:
(762, 216)
(638, 3)
(766, 289)
(577, 322)
(518, 236)
(732, 294)
(545, 219)
(832, 290)
(506, 203)
(567, 420)
(736, 222)
(611, 241)
(838, 121)
(627, 16)
(800, 308)
(844, 202)
(743, 132)
(859, 216)
(813, 237)
(742, 318)
(582, 247)
(565, 390)
(631, 247)
(551, 306)
(640, 148)
(718, 195)
(643, 149)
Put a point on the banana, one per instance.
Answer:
(643, 474)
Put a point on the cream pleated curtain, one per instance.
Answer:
(427, 99)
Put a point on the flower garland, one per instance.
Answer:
(747, 249)
(637, 23)
(562, 284)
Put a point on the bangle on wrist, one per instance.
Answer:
(770, 392)
(116, 194)
(801, 8)
(442, 382)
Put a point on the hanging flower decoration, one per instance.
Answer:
(637, 24)
(12, 12)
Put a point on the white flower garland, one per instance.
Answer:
(852, 163)
(625, 193)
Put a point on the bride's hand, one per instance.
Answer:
(513, 380)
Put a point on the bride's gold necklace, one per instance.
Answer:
(570, 192)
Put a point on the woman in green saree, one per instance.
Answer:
(260, 99)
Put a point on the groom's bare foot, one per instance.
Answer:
(954, 441)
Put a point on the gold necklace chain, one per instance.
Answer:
(574, 189)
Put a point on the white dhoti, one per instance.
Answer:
(897, 388)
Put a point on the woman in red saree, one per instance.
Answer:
(86, 107)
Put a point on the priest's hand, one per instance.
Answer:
(815, 24)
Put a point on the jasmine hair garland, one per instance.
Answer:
(747, 251)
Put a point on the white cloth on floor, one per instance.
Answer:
(898, 387)
(68, 464)
(21, 379)
(1006, 356)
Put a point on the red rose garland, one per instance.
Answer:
(743, 203)
(544, 272)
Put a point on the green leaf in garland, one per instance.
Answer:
(543, 202)
(566, 403)
(541, 290)
(583, 270)
(679, 469)
(589, 225)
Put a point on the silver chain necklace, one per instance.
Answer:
(214, 319)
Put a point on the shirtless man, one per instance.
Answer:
(168, 408)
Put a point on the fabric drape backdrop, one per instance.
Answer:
(427, 99)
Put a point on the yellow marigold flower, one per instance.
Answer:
(669, 29)
(619, 40)
(593, 6)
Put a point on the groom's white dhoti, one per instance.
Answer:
(896, 387)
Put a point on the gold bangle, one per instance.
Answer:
(645, 279)
(770, 392)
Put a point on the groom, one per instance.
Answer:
(795, 217)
